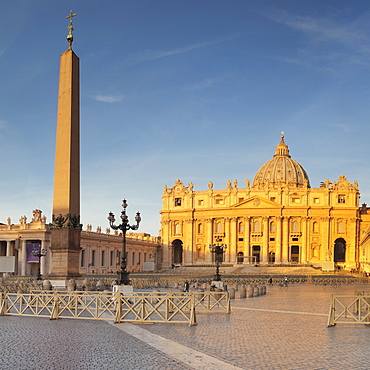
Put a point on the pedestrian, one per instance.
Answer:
(270, 280)
(186, 286)
(286, 281)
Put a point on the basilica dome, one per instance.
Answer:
(281, 169)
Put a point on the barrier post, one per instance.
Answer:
(55, 310)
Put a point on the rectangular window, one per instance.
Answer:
(241, 239)
(295, 239)
(316, 200)
(219, 201)
(111, 258)
(133, 258)
(272, 199)
(240, 200)
(272, 239)
(92, 258)
(144, 257)
(177, 202)
(341, 199)
(103, 258)
(83, 258)
(139, 258)
(200, 202)
(296, 200)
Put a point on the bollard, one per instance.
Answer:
(199, 295)
(242, 292)
(100, 285)
(204, 286)
(256, 291)
(263, 289)
(46, 285)
(250, 291)
(232, 293)
(86, 285)
(71, 285)
(155, 300)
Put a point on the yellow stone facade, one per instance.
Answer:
(276, 219)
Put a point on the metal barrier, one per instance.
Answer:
(349, 309)
(135, 307)
(120, 307)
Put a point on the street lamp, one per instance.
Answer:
(124, 227)
(218, 250)
(38, 252)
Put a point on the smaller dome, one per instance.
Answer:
(281, 169)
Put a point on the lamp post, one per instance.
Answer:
(218, 250)
(38, 252)
(123, 278)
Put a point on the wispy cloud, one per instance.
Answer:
(322, 29)
(149, 55)
(108, 98)
(343, 127)
(202, 85)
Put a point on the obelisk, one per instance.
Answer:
(66, 227)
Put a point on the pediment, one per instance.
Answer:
(257, 202)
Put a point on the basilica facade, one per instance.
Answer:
(277, 219)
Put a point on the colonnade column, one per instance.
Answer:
(233, 240)
(23, 257)
(209, 240)
(278, 240)
(325, 238)
(304, 239)
(285, 246)
(247, 235)
(227, 239)
(43, 259)
(265, 244)
(9, 251)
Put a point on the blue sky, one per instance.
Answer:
(192, 89)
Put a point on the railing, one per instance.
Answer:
(349, 309)
(153, 307)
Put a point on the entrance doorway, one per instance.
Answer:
(177, 249)
(240, 258)
(272, 257)
(256, 252)
(294, 253)
(340, 250)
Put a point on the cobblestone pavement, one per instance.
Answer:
(284, 329)
(38, 343)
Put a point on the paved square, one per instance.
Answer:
(284, 329)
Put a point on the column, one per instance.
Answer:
(247, 236)
(209, 240)
(233, 241)
(43, 259)
(265, 243)
(228, 239)
(278, 240)
(305, 221)
(23, 257)
(285, 245)
(9, 251)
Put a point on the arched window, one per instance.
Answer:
(178, 229)
(200, 228)
(295, 226)
(256, 226)
(272, 227)
(219, 227)
(315, 227)
(341, 227)
(241, 227)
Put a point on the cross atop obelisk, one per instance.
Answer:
(70, 29)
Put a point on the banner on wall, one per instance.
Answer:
(30, 248)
